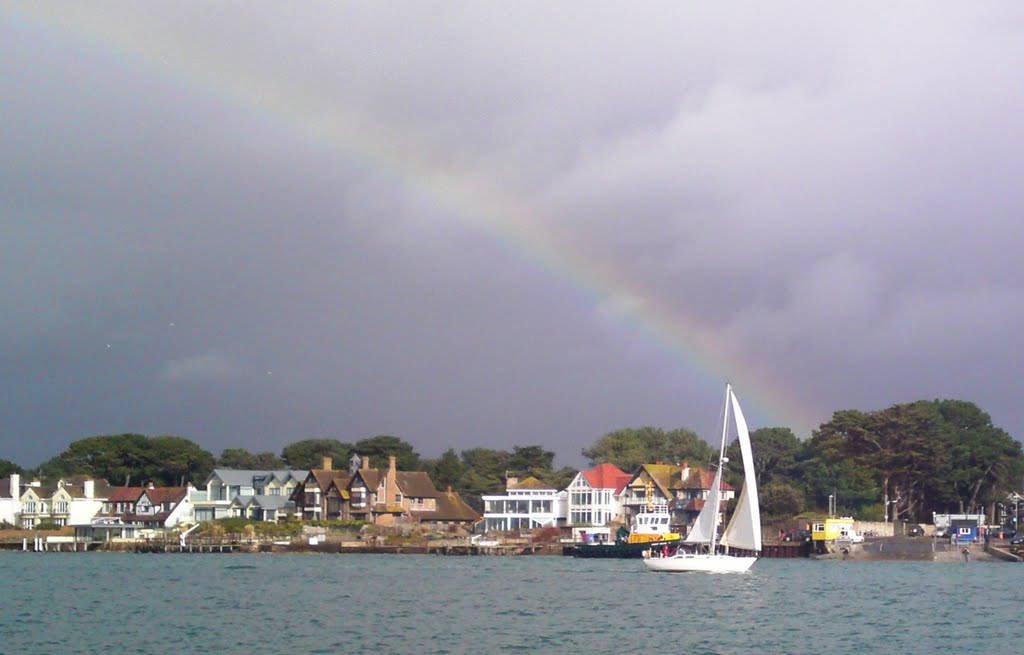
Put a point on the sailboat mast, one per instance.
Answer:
(716, 494)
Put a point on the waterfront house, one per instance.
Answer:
(449, 510)
(389, 497)
(525, 505)
(71, 501)
(10, 500)
(35, 508)
(271, 508)
(691, 491)
(384, 497)
(163, 507)
(122, 500)
(224, 485)
(594, 501)
(650, 485)
(313, 497)
(682, 488)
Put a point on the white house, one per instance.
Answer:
(166, 507)
(10, 500)
(73, 501)
(595, 501)
(525, 505)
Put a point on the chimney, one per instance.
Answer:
(35, 483)
(366, 462)
(327, 463)
(511, 482)
(391, 463)
(684, 473)
(15, 485)
(89, 488)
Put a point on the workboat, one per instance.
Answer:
(650, 533)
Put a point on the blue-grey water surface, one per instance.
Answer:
(107, 602)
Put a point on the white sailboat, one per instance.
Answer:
(744, 529)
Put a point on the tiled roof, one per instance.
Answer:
(264, 501)
(450, 507)
(529, 483)
(244, 477)
(324, 477)
(161, 495)
(372, 478)
(607, 476)
(41, 492)
(125, 494)
(702, 479)
(661, 475)
(416, 484)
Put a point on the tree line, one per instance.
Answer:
(914, 459)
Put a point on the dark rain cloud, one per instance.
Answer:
(187, 248)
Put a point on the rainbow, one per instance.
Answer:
(471, 200)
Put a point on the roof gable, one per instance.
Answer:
(661, 475)
(161, 495)
(607, 476)
(702, 479)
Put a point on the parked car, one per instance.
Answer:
(1018, 540)
(1008, 532)
(797, 535)
(915, 531)
(852, 535)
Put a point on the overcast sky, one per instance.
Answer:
(498, 224)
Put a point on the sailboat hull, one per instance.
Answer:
(700, 563)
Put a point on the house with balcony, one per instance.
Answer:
(263, 507)
(594, 502)
(389, 497)
(525, 505)
(651, 485)
(71, 501)
(681, 488)
(691, 491)
(322, 494)
(223, 486)
(163, 507)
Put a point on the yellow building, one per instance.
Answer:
(832, 529)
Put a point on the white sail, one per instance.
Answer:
(707, 521)
(744, 530)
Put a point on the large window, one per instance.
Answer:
(358, 496)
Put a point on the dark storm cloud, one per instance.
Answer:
(832, 191)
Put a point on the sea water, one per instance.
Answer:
(274, 603)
